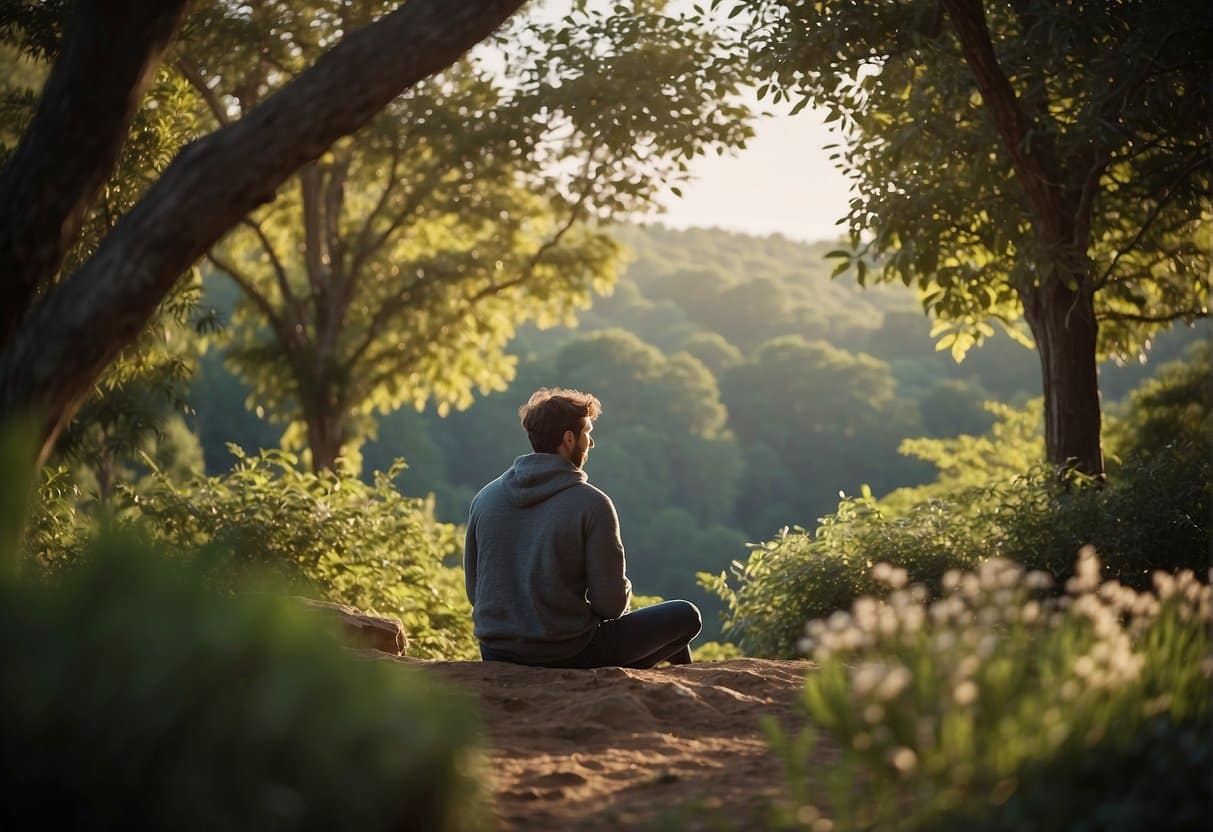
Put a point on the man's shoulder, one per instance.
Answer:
(592, 496)
(486, 492)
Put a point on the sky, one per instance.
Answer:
(782, 182)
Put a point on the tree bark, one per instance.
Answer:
(81, 325)
(109, 52)
(325, 437)
(1064, 326)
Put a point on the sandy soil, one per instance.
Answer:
(608, 749)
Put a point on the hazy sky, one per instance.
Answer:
(782, 182)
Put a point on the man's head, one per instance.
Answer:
(559, 421)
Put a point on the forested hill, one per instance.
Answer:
(743, 390)
(744, 288)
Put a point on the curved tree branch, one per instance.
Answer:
(81, 325)
(194, 76)
(289, 298)
(1166, 318)
(249, 288)
(1195, 164)
(109, 54)
(1032, 154)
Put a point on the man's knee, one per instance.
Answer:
(689, 614)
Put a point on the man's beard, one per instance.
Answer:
(579, 455)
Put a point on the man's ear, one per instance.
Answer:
(568, 440)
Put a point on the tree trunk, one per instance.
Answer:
(1063, 323)
(325, 436)
(1062, 319)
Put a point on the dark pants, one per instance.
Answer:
(643, 638)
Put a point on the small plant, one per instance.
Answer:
(1000, 696)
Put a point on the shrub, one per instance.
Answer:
(1155, 515)
(715, 651)
(1176, 405)
(997, 708)
(354, 543)
(135, 698)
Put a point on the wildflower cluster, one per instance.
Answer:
(939, 703)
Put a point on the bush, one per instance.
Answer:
(324, 535)
(1175, 406)
(1155, 515)
(715, 651)
(134, 699)
(358, 544)
(997, 708)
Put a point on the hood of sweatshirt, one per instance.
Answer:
(534, 478)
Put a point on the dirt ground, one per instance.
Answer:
(609, 749)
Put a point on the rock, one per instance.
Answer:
(363, 631)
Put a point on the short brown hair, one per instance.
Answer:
(550, 411)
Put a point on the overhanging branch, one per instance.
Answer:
(1188, 314)
(80, 326)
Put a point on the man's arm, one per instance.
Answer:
(469, 560)
(605, 566)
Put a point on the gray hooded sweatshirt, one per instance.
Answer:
(543, 560)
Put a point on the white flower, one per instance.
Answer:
(866, 676)
(951, 579)
(965, 693)
(904, 760)
(1037, 580)
(1031, 612)
(970, 586)
(1164, 585)
(1086, 577)
(894, 682)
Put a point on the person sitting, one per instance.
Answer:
(544, 562)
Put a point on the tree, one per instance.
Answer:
(130, 408)
(812, 419)
(398, 266)
(1049, 160)
(1174, 408)
(662, 417)
(713, 350)
(57, 337)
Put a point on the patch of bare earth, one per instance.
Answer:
(607, 749)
